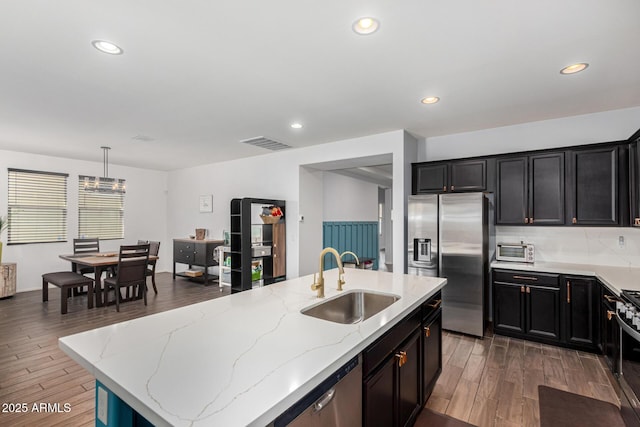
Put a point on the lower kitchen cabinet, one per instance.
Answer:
(609, 329)
(431, 353)
(536, 306)
(524, 309)
(401, 368)
(542, 312)
(391, 396)
(581, 311)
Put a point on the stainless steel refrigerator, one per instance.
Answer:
(450, 235)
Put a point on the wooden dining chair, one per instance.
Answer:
(154, 249)
(132, 266)
(85, 246)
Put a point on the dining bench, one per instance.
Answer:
(66, 281)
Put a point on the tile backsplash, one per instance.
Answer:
(578, 245)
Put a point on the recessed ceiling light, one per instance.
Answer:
(296, 125)
(574, 68)
(107, 47)
(366, 26)
(430, 100)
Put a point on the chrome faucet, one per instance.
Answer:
(350, 253)
(318, 285)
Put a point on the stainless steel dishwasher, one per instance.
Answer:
(336, 402)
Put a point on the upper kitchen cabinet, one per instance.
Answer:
(430, 178)
(597, 190)
(530, 189)
(453, 176)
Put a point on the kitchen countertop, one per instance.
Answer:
(241, 359)
(615, 278)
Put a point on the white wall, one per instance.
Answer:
(278, 176)
(606, 126)
(349, 199)
(145, 214)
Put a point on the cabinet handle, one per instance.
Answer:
(610, 298)
(402, 358)
(636, 221)
(427, 331)
(453, 188)
(568, 292)
(610, 314)
(435, 304)
(526, 220)
(444, 188)
(574, 221)
(530, 220)
(526, 278)
(275, 255)
(522, 289)
(528, 290)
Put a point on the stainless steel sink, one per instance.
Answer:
(351, 307)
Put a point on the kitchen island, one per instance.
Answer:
(242, 359)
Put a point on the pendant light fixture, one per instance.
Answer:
(104, 184)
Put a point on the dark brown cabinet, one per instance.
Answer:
(581, 297)
(430, 178)
(195, 253)
(594, 194)
(453, 176)
(531, 190)
(527, 305)
(431, 349)
(548, 307)
(401, 368)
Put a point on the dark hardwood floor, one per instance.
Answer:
(33, 370)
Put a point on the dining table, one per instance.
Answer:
(100, 262)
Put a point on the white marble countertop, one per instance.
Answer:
(615, 278)
(241, 359)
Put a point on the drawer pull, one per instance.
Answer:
(526, 220)
(528, 290)
(568, 292)
(526, 278)
(574, 221)
(453, 188)
(522, 289)
(530, 220)
(444, 188)
(610, 314)
(435, 304)
(427, 331)
(610, 298)
(402, 358)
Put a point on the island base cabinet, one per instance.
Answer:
(431, 354)
(392, 394)
(111, 411)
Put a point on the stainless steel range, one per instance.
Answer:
(628, 369)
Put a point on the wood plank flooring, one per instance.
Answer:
(494, 382)
(490, 382)
(34, 370)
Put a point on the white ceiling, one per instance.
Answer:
(198, 76)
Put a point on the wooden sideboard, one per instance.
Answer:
(198, 253)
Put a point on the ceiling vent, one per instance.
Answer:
(266, 143)
(144, 138)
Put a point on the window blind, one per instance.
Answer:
(100, 213)
(37, 204)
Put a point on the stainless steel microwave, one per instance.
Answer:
(515, 252)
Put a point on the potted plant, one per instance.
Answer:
(4, 222)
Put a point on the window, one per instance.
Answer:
(37, 207)
(100, 212)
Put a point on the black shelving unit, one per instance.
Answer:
(241, 253)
